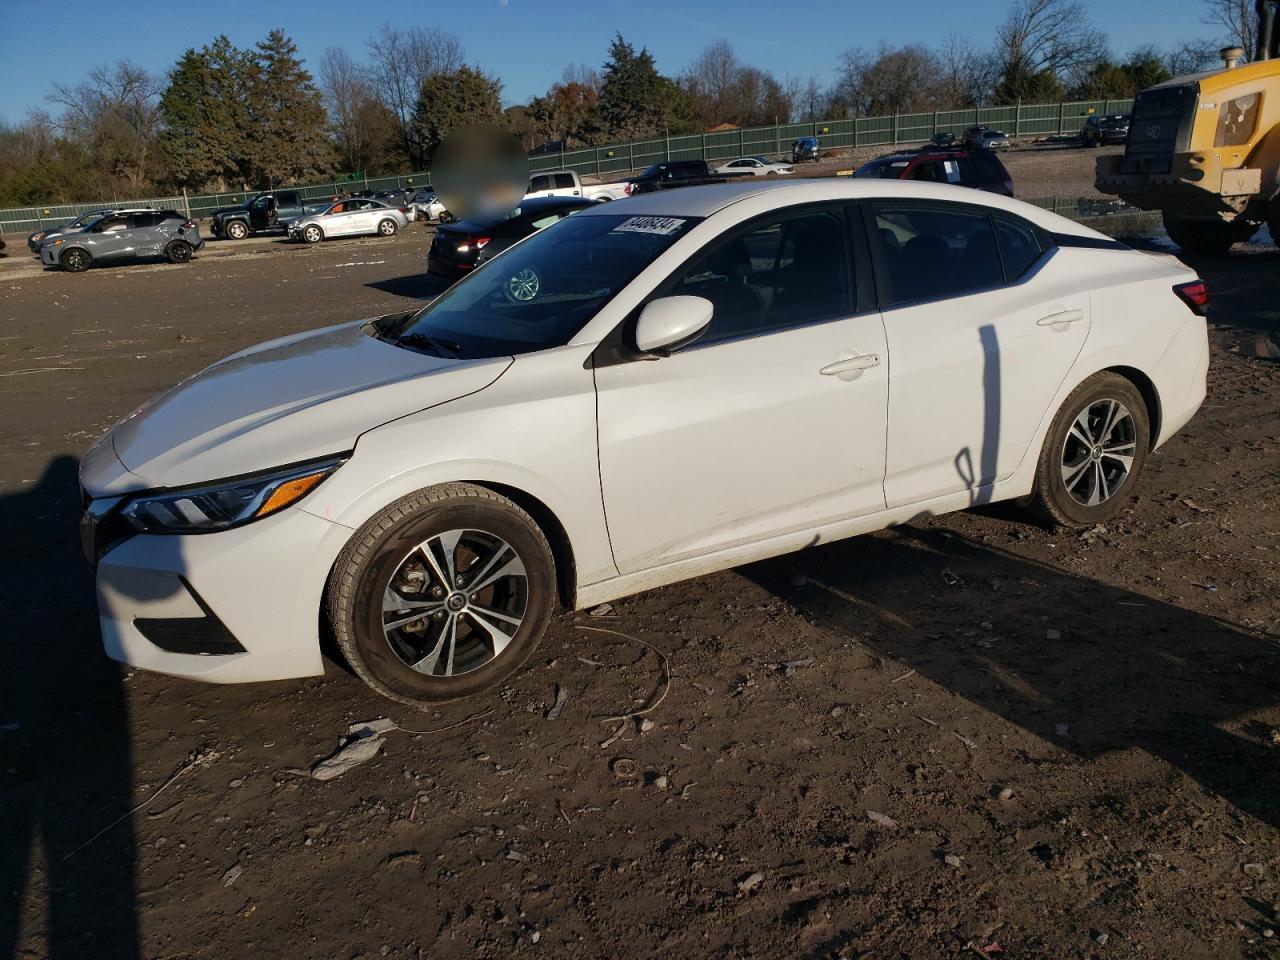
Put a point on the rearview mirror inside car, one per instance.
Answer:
(669, 323)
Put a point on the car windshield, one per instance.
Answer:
(542, 291)
(889, 169)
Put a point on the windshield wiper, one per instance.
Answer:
(440, 348)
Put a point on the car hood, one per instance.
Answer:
(223, 211)
(293, 399)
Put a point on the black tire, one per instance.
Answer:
(1273, 221)
(312, 233)
(1212, 238)
(380, 551)
(1067, 504)
(75, 260)
(387, 227)
(237, 230)
(179, 251)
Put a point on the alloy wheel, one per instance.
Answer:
(1098, 452)
(386, 228)
(455, 602)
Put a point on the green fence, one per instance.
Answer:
(1021, 120)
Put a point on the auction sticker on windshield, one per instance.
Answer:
(662, 226)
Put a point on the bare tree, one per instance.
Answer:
(965, 75)
(1049, 36)
(1238, 18)
(725, 90)
(1193, 56)
(400, 62)
(893, 80)
(360, 122)
(588, 78)
(114, 113)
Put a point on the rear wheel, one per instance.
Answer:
(237, 230)
(1273, 221)
(312, 234)
(75, 260)
(1094, 452)
(442, 595)
(179, 251)
(387, 227)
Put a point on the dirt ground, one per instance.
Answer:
(966, 736)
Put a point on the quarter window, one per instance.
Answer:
(782, 272)
(933, 252)
(1019, 246)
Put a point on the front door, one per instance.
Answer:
(983, 325)
(773, 421)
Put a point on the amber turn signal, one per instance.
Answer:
(289, 492)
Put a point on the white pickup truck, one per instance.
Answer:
(566, 183)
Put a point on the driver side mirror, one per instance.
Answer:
(669, 323)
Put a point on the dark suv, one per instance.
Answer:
(806, 148)
(980, 169)
(1109, 129)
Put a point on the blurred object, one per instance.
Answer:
(480, 171)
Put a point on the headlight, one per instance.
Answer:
(37, 237)
(229, 503)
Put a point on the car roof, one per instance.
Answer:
(704, 201)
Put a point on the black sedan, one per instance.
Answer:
(458, 248)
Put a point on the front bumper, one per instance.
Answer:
(235, 606)
(48, 254)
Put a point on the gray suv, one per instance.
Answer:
(119, 236)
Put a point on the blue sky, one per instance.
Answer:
(527, 43)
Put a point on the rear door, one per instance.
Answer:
(565, 185)
(149, 232)
(983, 324)
(773, 421)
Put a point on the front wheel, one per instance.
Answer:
(312, 234)
(444, 594)
(75, 261)
(1094, 452)
(387, 227)
(1208, 237)
(237, 230)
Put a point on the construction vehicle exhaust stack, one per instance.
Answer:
(1204, 149)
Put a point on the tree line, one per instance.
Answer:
(225, 118)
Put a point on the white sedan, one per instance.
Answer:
(647, 391)
(756, 167)
(348, 217)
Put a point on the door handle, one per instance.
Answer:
(851, 368)
(1061, 317)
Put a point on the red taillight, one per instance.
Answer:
(1195, 295)
(629, 187)
(404, 210)
(188, 225)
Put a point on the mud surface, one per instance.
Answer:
(992, 738)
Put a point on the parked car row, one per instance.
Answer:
(980, 169)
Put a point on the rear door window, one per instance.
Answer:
(932, 251)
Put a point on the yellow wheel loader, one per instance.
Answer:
(1204, 149)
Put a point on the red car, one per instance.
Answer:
(980, 169)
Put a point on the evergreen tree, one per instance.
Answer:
(451, 100)
(634, 99)
(288, 116)
(205, 118)
(1020, 82)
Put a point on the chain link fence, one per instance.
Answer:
(1019, 120)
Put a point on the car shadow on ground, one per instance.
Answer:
(420, 286)
(65, 754)
(1089, 667)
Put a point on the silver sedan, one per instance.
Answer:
(349, 217)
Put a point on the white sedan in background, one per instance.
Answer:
(647, 391)
(756, 167)
(348, 217)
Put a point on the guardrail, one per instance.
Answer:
(1019, 120)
